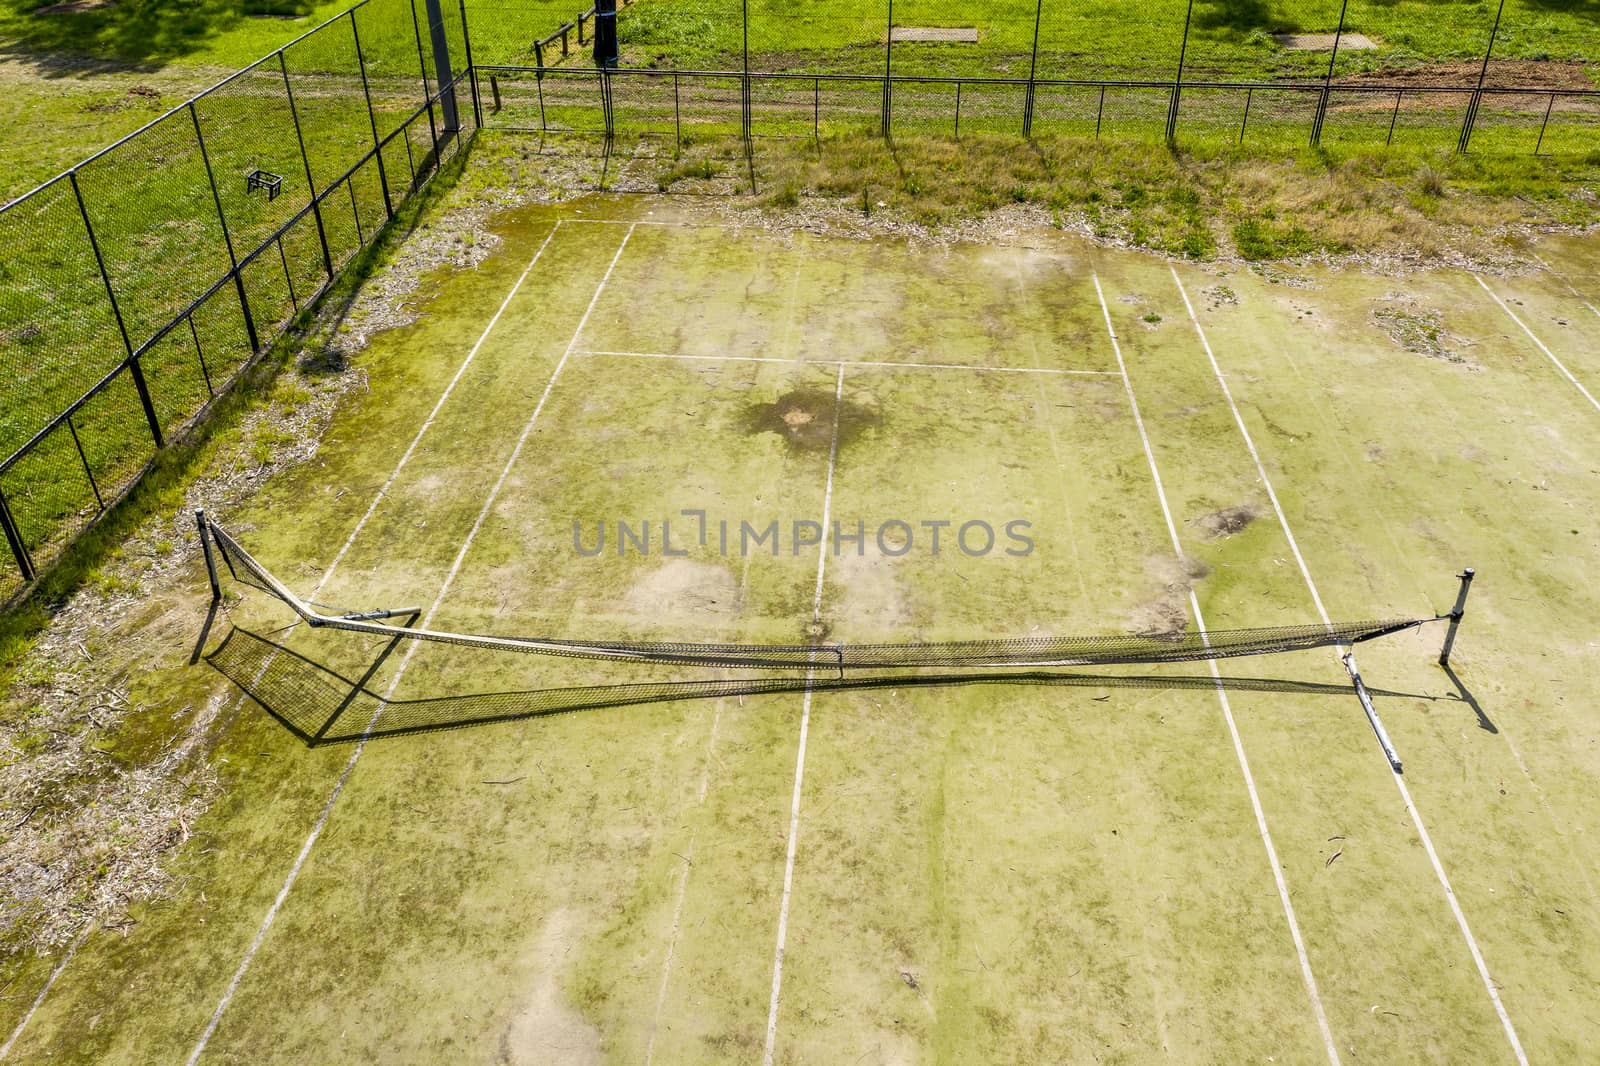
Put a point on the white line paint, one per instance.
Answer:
(800, 755)
(39, 999)
(1311, 586)
(1306, 974)
(350, 765)
(683, 892)
(1587, 395)
(849, 362)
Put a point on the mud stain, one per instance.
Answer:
(804, 418)
(1227, 521)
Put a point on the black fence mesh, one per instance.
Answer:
(1366, 73)
(140, 283)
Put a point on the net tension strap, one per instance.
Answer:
(1019, 652)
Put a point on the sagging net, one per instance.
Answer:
(1013, 652)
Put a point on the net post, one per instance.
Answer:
(211, 560)
(1349, 660)
(1456, 614)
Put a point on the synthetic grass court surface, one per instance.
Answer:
(1002, 873)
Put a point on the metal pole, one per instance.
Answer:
(472, 71)
(19, 550)
(1033, 68)
(355, 210)
(958, 110)
(1349, 660)
(1477, 95)
(133, 363)
(211, 562)
(1327, 81)
(1177, 84)
(372, 118)
(1100, 114)
(1456, 614)
(288, 276)
(816, 111)
(227, 236)
(677, 112)
(200, 354)
(1394, 117)
(441, 67)
(744, 83)
(427, 97)
(84, 459)
(1248, 94)
(311, 185)
(1548, 108)
(888, 71)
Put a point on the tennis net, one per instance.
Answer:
(1000, 653)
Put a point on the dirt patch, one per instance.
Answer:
(1167, 613)
(684, 586)
(1504, 74)
(1227, 521)
(805, 419)
(1219, 296)
(546, 1031)
(869, 591)
(1418, 329)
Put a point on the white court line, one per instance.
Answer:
(455, 569)
(800, 755)
(848, 362)
(1399, 780)
(683, 892)
(1565, 280)
(361, 524)
(1587, 395)
(1227, 708)
(72, 950)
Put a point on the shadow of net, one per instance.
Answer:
(321, 705)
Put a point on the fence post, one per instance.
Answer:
(1177, 84)
(227, 235)
(372, 118)
(311, 185)
(747, 119)
(134, 369)
(441, 67)
(1327, 80)
(19, 549)
(472, 71)
(1033, 68)
(1545, 124)
(1477, 95)
(888, 73)
(427, 97)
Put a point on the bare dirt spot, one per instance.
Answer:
(1324, 42)
(869, 590)
(1218, 296)
(1163, 618)
(805, 418)
(1418, 329)
(1168, 612)
(683, 586)
(1503, 74)
(547, 1031)
(1227, 521)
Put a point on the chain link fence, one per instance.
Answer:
(1518, 76)
(138, 284)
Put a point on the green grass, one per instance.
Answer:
(1008, 873)
(1104, 38)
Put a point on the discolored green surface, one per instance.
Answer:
(1032, 873)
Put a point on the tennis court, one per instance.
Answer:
(430, 852)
